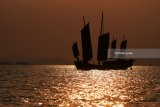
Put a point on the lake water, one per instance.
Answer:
(63, 85)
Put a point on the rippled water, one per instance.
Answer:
(63, 85)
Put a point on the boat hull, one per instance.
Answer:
(121, 64)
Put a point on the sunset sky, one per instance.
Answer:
(45, 29)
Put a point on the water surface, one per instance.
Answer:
(63, 85)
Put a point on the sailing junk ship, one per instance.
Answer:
(102, 54)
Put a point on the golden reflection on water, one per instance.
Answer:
(104, 88)
(97, 89)
(64, 86)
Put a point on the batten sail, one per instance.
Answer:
(113, 47)
(75, 50)
(123, 47)
(113, 44)
(123, 44)
(103, 45)
(86, 44)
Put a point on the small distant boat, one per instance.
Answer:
(102, 54)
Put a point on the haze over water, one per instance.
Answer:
(63, 85)
(33, 29)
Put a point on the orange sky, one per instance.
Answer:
(40, 29)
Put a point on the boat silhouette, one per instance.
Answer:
(102, 54)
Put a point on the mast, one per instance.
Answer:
(103, 44)
(84, 21)
(86, 43)
(101, 30)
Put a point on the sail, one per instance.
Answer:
(123, 48)
(123, 44)
(75, 50)
(113, 47)
(103, 45)
(114, 43)
(86, 44)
